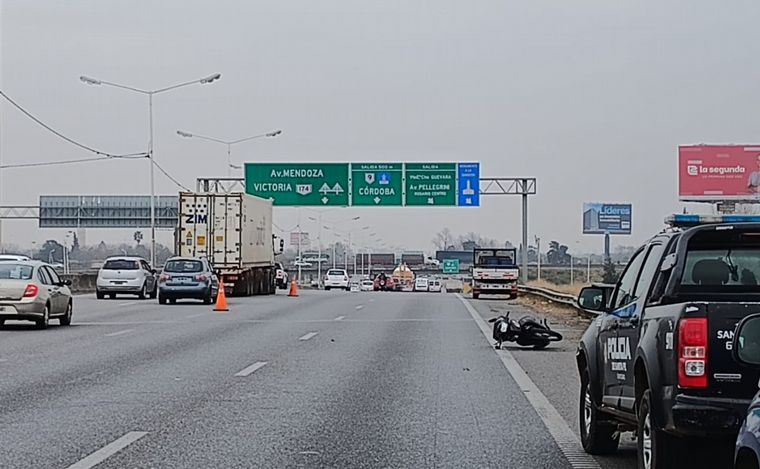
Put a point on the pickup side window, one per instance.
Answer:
(654, 259)
(662, 278)
(626, 293)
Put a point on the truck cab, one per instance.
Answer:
(657, 359)
(495, 271)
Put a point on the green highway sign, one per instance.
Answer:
(377, 184)
(365, 184)
(297, 184)
(451, 266)
(431, 184)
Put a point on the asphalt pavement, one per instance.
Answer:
(328, 379)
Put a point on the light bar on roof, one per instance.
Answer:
(682, 220)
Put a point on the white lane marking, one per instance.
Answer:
(194, 316)
(114, 334)
(339, 318)
(371, 300)
(247, 371)
(359, 307)
(107, 451)
(565, 438)
(129, 303)
(308, 336)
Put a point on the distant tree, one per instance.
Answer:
(443, 239)
(469, 245)
(557, 254)
(74, 244)
(51, 250)
(609, 274)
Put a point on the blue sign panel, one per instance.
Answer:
(468, 184)
(607, 218)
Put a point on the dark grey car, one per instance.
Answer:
(187, 277)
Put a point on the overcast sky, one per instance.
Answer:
(591, 97)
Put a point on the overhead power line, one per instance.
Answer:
(103, 155)
(171, 178)
(55, 163)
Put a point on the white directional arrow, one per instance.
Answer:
(377, 199)
(325, 200)
(337, 188)
(325, 189)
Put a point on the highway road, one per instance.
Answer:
(328, 379)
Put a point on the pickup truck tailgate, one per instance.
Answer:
(727, 377)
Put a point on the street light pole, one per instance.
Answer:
(229, 160)
(151, 156)
(228, 143)
(538, 257)
(571, 269)
(152, 187)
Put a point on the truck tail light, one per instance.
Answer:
(201, 278)
(164, 278)
(31, 291)
(692, 353)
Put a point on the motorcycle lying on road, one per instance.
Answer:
(527, 331)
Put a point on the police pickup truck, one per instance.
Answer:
(657, 360)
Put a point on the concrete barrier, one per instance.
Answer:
(83, 282)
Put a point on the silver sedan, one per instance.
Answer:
(33, 291)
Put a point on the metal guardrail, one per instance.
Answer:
(557, 297)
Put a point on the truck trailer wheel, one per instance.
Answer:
(475, 295)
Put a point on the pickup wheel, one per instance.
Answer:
(656, 449)
(597, 436)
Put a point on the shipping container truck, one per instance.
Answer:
(234, 232)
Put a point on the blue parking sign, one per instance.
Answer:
(468, 184)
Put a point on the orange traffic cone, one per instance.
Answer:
(293, 289)
(221, 299)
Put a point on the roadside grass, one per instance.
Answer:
(569, 289)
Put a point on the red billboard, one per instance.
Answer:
(719, 172)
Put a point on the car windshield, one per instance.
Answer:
(14, 271)
(181, 265)
(121, 264)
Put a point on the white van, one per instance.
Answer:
(434, 285)
(421, 284)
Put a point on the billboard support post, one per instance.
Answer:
(607, 246)
(524, 270)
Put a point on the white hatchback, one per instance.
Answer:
(126, 275)
(337, 278)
